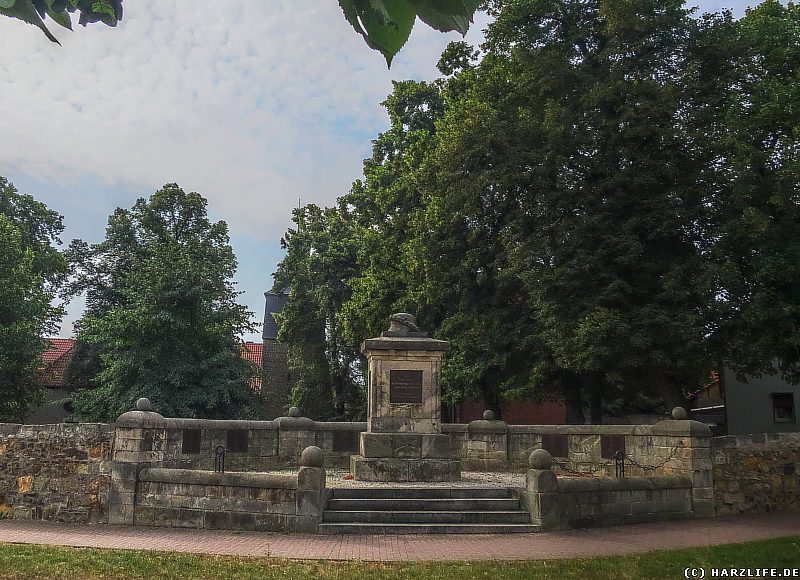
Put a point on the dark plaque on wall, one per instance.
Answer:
(405, 387)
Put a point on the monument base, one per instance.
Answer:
(404, 445)
(404, 470)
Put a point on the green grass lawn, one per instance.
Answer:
(19, 561)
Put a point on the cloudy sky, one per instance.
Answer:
(253, 104)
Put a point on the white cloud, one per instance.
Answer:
(250, 103)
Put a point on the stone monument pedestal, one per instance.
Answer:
(405, 457)
(404, 441)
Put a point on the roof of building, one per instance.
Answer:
(55, 361)
(56, 358)
(254, 352)
(275, 303)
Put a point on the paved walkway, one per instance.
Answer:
(570, 544)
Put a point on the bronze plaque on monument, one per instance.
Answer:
(405, 387)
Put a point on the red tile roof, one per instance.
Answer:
(253, 352)
(55, 361)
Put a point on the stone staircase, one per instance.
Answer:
(424, 510)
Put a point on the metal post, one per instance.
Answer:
(219, 459)
(619, 460)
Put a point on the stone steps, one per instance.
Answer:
(420, 492)
(421, 510)
(427, 517)
(350, 528)
(417, 504)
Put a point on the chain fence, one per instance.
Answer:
(620, 469)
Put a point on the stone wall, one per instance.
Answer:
(145, 491)
(557, 503)
(262, 445)
(55, 472)
(230, 501)
(756, 473)
(62, 472)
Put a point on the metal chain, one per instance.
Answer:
(671, 456)
(630, 459)
(589, 472)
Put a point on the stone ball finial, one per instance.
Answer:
(143, 404)
(294, 411)
(312, 456)
(540, 459)
(488, 415)
(679, 414)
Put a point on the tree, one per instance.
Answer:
(34, 12)
(320, 259)
(387, 24)
(170, 331)
(25, 317)
(752, 138)
(384, 24)
(39, 228)
(573, 125)
(32, 271)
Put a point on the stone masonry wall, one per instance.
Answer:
(269, 444)
(756, 473)
(55, 472)
(229, 501)
(62, 472)
(556, 503)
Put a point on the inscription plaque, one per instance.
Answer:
(405, 387)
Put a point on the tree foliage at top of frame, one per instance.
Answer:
(384, 24)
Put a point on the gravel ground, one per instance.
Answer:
(336, 478)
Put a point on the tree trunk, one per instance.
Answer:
(573, 400)
(491, 402)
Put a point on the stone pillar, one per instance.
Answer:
(295, 433)
(311, 493)
(541, 491)
(486, 444)
(404, 440)
(693, 458)
(138, 444)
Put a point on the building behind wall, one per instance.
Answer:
(52, 374)
(766, 404)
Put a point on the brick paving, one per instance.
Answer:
(630, 539)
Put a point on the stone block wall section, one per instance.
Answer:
(182, 498)
(269, 444)
(555, 503)
(756, 473)
(55, 472)
(145, 492)
(36, 460)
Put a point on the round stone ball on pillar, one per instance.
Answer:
(312, 456)
(143, 404)
(679, 414)
(540, 459)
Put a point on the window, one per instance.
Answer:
(236, 440)
(345, 441)
(783, 407)
(610, 444)
(191, 441)
(557, 445)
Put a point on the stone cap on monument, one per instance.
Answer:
(404, 334)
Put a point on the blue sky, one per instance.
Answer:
(252, 104)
